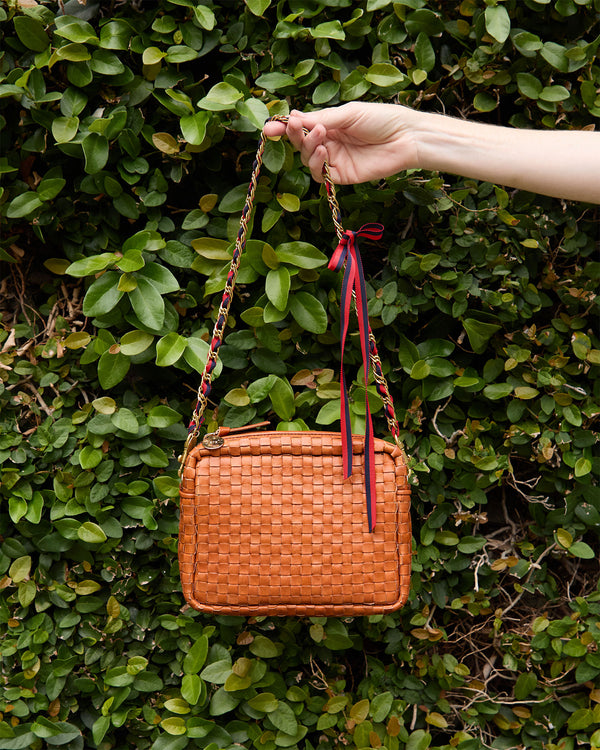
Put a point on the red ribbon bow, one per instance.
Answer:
(354, 281)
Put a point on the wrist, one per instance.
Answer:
(442, 143)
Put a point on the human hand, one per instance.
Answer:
(359, 141)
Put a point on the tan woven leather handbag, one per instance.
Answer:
(296, 523)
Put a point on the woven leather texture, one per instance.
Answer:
(268, 525)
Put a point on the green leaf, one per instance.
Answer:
(91, 533)
(329, 30)
(497, 22)
(381, 705)
(169, 349)
(582, 718)
(254, 110)
(23, 205)
(180, 53)
(424, 53)
(174, 725)
(554, 94)
(573, 415)
(162, 416)
(495, 391)
(479, 333)
(177, 706)
(274, 159)
(106, 63)
(420, 370)
(17, 508)
(135, 342)
(167, 742)
(233, 201)
(564, 538)
(222, 702)
(148, 303)
(152, 55)
(282, 400)
(144, 240)
(73, 52)
(582, 550)
(525, 685)
(284, 718)
(277, 287)
(165, 143)
(300, 254)
(483, 102)
(261, 388)
(115, 34)
(384, 75)
(526, 392)
(75, 30)
(264, 647)
(527, 43)
(112, 368)
(103, 295)
(193, 127)
(217, 672)
(31, 33)
(49, 188)
(418, 740)
(91, 265)
(221, 97)
(124, 419)
(272, 82)
(9, 89)
(196, 656)
(191, 688)
(95, 151)
(329, 412)
(555, 55)
(20, 569)
(237, 397)
(257, 7)
(265, 702)
(308, 312)
(289, 202)
(354, 86)
(205, 17)
(529, 85)
(99, 729)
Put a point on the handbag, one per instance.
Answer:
(302, 523)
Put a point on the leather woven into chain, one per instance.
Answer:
(221, 321)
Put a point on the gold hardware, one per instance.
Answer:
(212, 441)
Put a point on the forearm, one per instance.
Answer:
(563, 164)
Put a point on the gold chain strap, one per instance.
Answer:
(221, 321)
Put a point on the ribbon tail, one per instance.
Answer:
(363, 326)
(346, 428)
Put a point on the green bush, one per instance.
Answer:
(127, 135)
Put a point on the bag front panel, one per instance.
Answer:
(269, 524)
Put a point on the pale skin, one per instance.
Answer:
(368, 141)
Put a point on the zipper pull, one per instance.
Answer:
(214, 440)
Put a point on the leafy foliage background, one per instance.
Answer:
(127, 133)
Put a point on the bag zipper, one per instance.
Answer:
(212, 441)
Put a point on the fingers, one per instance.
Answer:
(316, 161)
(313, 152)
(274, 129)
(311, 145)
